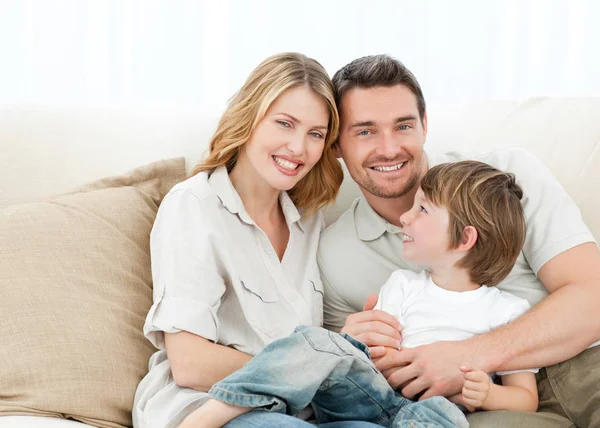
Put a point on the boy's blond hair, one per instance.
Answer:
(479, 195)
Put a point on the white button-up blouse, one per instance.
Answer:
(217, 275)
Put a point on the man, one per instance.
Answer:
(383, 130)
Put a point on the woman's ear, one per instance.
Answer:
(468, 239)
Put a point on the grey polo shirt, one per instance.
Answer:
(360, 250)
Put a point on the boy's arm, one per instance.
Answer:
(518, 392)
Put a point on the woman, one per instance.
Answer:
(234, 246)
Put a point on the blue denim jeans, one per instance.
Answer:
(335, 374)
(259, 419)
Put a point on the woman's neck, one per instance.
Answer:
(261, 201)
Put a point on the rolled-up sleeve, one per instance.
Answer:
(187, 286)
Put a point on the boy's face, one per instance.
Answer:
(426, 238)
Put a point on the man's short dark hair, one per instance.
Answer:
(376, 70)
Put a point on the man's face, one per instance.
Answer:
(381, 140)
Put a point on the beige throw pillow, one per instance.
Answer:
(76, 286)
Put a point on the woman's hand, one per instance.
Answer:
(376, 329)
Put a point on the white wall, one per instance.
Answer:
(197, 53)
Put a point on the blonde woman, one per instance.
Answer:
(234, 246)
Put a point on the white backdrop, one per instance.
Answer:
(197, 53)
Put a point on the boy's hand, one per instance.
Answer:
(459, 399)
(376, 329)
(476, 388)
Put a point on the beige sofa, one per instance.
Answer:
(45, 152)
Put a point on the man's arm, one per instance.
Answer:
(561, 326)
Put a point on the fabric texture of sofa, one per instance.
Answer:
(74, 263)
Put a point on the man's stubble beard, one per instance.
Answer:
(369, 185)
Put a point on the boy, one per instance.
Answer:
(467, 228)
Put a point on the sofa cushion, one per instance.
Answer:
(76, 287)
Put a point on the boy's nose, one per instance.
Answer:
(404, 219)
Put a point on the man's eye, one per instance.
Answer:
(403, 127)
(284, 123)
(364, 132)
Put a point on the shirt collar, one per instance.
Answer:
(369, 224)
(290, 212)
(221, 184)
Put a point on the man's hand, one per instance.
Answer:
(376, 329)
(429, 369)
(476, 388)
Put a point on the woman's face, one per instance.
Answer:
(289, 140)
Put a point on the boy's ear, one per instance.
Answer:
(468, 239)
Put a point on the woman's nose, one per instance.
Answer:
(296, 145)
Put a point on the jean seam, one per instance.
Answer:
(383, 413)
(324, 351)
(224, 394)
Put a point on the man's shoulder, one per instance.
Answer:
(505, 158)
(341, 230)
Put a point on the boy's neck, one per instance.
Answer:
(453, 279)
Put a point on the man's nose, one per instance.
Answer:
(389, 145)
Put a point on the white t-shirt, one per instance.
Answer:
(429, 313)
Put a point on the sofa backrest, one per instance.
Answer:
(45, 151)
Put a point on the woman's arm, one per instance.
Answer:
(198, 363)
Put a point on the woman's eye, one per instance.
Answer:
(317, 135)
(284, 123)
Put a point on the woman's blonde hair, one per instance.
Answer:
(248, 107)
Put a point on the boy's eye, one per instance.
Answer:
(422, 209)
(364, 132)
